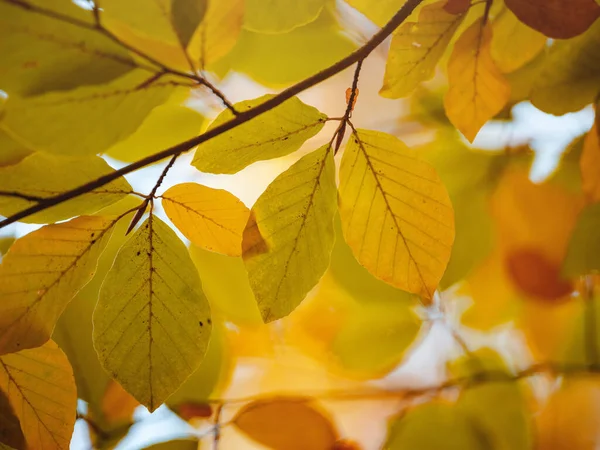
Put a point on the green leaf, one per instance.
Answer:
(570, 76)
(41, 175)
(435, 426)
(396, 214)
(280, 16)
(225, 283)
(165, 126)
(583, 256)
(11, 152)
(416, 49)
(40, 388)
(41, 53)
(152, 322)
(288, 239)
(76, 122)
(276, 133)
(42, 272)
(300, 53)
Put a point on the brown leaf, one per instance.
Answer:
(286, 424)
(10, 427)
(558, 19)
(457, 6)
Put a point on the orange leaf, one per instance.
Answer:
(117, 404)
(188, 411)
(457, 6)
(536, 276)
(477, 89)
(590, 165)
(286, 424)
(558, 19)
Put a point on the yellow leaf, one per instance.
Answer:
(569, 78)
(558, 19)
(395, 211)
(165, 126)
(5, 244)
(276, 133)
(42, 175)
(435, 426)
(290, 423)
(218, 32)
(42, 272)
(477, 90)
(582, 255)
(590, 164)
(379, 12)
(514, 44)
(152, 322)
(75, 122)
(570, 420)
(42, 54)
(10, 427)
(118, 405)
(12, 152)
(280, 16)
(416, 49)
(288, 239)
(300, 52)
(40, 387)
(213, 219)
(225, 283)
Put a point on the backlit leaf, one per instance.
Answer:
(88, 119)
(118, 405)
(280, 16)
(152, 322)
(40, 387)
(165, 126)
(288, 239)
(286, 424)
(42, 54)
(558, 19)
(42, 272)
(583, 256)
(416, 49)
(569, 77)
(379, 12)
(211, 218)
(276, 133)
(590, 164)
(218, 32)
(177, 444)
(396, 214)
(300, 52)
(477, 90)
(514, 44)
(225, 283)
(11, 152)
(10, 427)
(42, 175)
(435, 426)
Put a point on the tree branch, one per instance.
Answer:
(240, 119)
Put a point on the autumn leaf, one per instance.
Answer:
(42, 272)
(289, 236)
(286, 423)
(396, 214)
(379, 12)
(12, 151)
(10, 427)
(280, 16)
(416, 49)
(211, 218)
(74, 122)
(40, 387)
(477, 90)
(41, 175)
(276, 133)
(42, 54)
(177, 444)
(558, 19)
(457, 6)
(582, 257)
(118, 405)
(590, 164)
(152, 322)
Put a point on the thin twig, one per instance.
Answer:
(240, 119)
(341, 130)
(31, 198)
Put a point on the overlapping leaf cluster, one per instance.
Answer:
(348, 250)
